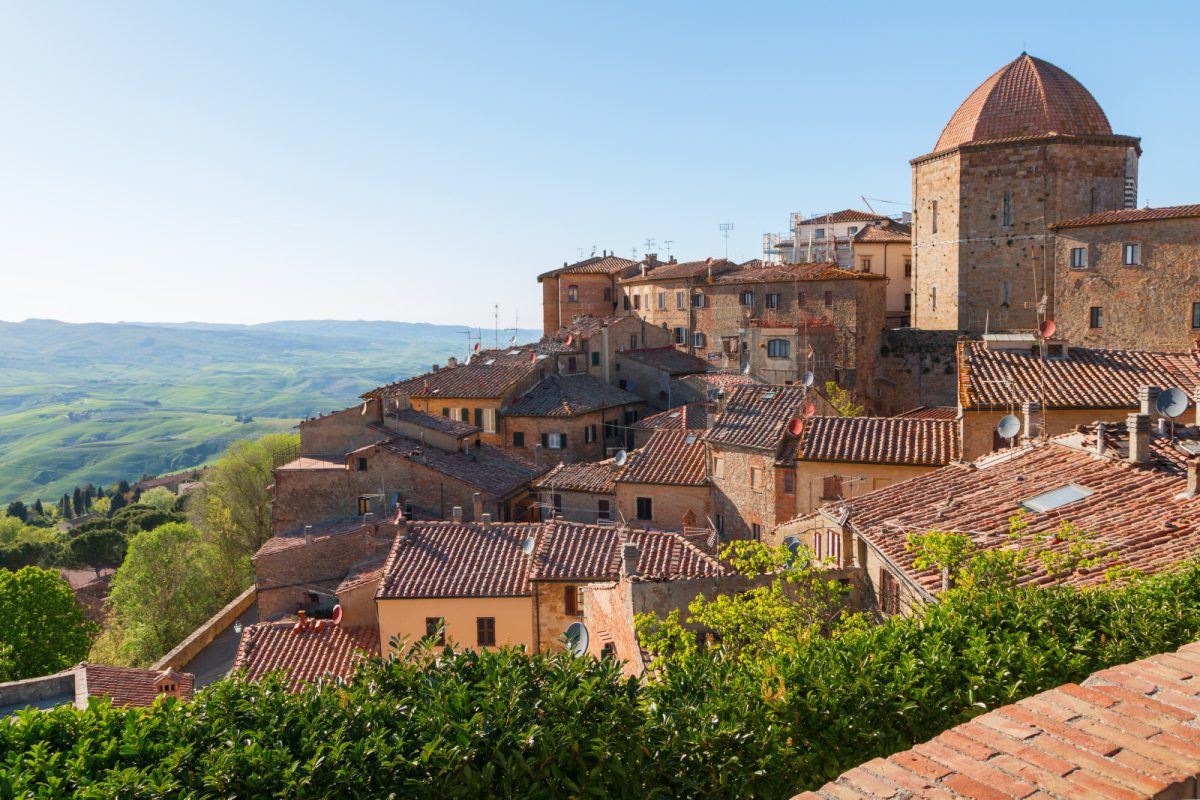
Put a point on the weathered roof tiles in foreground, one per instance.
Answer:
(879, 440)
(306, 655)
(670, 457)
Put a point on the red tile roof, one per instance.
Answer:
(294, 540)
(488, 374)
(310, 463)
(781, 273)
(496, 471)
(595, 477)
(670, 457)
(692, 417)
(879, 440)
(571, 551)
(931, 412)
(684, 269)
(1133, 509)
(596, 265)
(757, 416)
(1130, 215)
(722, 380)
(361, 575)
(435, 422)
(1128, 732)
(1087, 378)
(126, 686)
(669, 360)
(1027, 97)
(307, 655)
(845, 215)
(569, 396)
(888, 231)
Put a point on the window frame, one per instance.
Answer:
(518, 439)
(485, 631)
(644, 508)
(572, 293)
(832, 487)
(1078, 258)
(699, 339)
(1195, 316)
(772, 300)
(603, 509)
(1134, 250)
(1096, 318)
(571, 605)
(746, 299)
(779, 348)
(865, 264)
(829, 298)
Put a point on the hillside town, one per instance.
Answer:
(1024, 342)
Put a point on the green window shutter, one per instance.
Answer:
(546, 441)
(596, 359)
(445, 412)
(466, 415)
(479, 417)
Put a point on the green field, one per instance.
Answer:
(100, 402)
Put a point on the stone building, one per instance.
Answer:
(589, 345)
(1030, 147)
(1006, 374)
(572, 417)
(824, 237)
(652, 373)
(664, 485)
(124, 687)
(584, 492)
(1129, 279)
(585, 288)
(886, 248)
(686, 417)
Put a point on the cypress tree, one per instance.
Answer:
(77, 502)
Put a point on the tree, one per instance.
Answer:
(17, 509)
(102, 506)
(103, 547)
(162, 591)
(10, 529)
(38, 508)
(122, 487)
(64, 506)
(116, 503)
(77, 502)
(160, 497)
(41, 626)
(841, 401)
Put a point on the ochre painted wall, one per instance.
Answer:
(406, 618)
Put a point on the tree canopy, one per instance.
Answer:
(42, 629)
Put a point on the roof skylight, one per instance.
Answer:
(1056, 498)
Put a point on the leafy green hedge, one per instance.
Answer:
(508, 724)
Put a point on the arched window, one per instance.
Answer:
(779, 348)
(572, 294)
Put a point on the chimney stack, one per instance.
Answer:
(402, 529)
(537, 455)
(1196, 401)
(477, 505)
(1139, 438)
(456, 514)
(486, 520)
(1031, 411)
(629, 560)
(721, 401)
(1101, 445)
(1193, 479)
(308, 535)
(1147, 397)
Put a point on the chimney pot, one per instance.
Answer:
(308, 534)
(1147, 396)
(1139, 438)
(1193, 477)
(629, 559)
(1101, 445)
(486, 519)
(477, 505)
(1031, 411)
(537, 455)
(456, 513)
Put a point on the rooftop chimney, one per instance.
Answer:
(1031, 411)
(629, 559)
(477, 505)
(486, 520)
(1193, 479)
(1139, 438)
(402, 529)
(436, 368)
(721, 401)
(308, 535)
(1196, 400)
(1147, 396)
(1101, 445)
(537, 455)
(456, 514)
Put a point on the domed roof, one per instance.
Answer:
(1026, 97)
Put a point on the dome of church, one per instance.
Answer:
(1026, 97)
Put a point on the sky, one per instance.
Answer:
(252, 161)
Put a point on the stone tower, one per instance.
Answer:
(1029, 147)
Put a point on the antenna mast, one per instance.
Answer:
(725, 228)
(668, 243)
(496, 317)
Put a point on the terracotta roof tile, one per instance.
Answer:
(1109, 741)
(757, 416)
(845, 215)
(888, 231)
(784, 273)
(578, 552)
(596, 477)
(684, 269)
(294, 540)
(995, 378)
(672, 457)
(596, 265)
(722, 380)
(1130, 215)
(307, 655)
(668, 359)
(435, 422)
(488, 373)
(361, 575)
(569, 396)
(129, 687)
(931, 412)
(879, 440)
(1027, 97)
(692, 417)
(494, 470)
(309, 463)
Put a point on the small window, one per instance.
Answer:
(554, 441)
(820, 233)
(435, 629)
(866, 264)
(789, 483)
(1094, 201)
(1007, 210)
(756, 531)
(662, 301)
(698, 300)
(889, 593)
(679, 300)
(831, 488)
(603, 510)
(465, 414)
(445, 412)
(1078, 258)
(556, 502)
(802, 298)
(907, 301)
(485, 628)
(608, 651)
(1196, 315)
(596, 359)
(610, 429)
(608, 294)
(625, 301)
(572, 294)
(828, 299)
(518, 438)
(589, 434)
(633, 340)
(1056, 498)
(779, 348)
(1096, 317)
(746, 298)
(772, 300)
(637, 301)
(479, 418)
(489, 420)
(362, 465)
(572, 365)
(1133, 254)
(718, 467)
(756, 479)
(645, 508)
(1004, 293)
(720, 520)
(698, 339)
(571, 600)
(908, 267)
(681, 336)
(853, 229)
(364, 505)
(933, 209)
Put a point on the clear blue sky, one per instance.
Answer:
(249, 161)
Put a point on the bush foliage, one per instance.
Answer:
(708, 724)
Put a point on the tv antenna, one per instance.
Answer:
(496, 317)
(725, 228)
(667, 243)
(648, 244)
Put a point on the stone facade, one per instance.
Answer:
(586, 438)
(334, 435)
(1153, 305)
(917, 368)
(982, 250)
(673, 507)
(745, 507)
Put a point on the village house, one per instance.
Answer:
(590, 345)
(823, 237)
(885, 248)
(124, 687)
(572, 417)
(671, 294)
(703, 387)
(585, 288)
(304, 651)
(664, 485)
(687, 417)
(1129, 278)
(651, 373)
(584, 492)
(1131, 486)
(1008, 374)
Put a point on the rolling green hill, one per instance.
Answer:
(102, 402)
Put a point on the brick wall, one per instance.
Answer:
(917, 368)
(670, 504)
(551, 321)
(1145, 307)
(578, 449)
(740, 505)
(287, 580)
(978, 427)
(558, 309)
(340, 432)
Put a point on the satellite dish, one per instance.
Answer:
(796, 427)
(746, 368)
(528, 545)
(1047, 329)
(336, 619)
(810, 409)
(808, 379)
(1009, 426)
(1171, 403)
(570, 339)
(792, 543)
(577, 638)
(620, 458)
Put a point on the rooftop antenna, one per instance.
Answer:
(725, 228)
(496, 316)
(593, 251)
(668, 243)
(649, 245)
(1171, 403)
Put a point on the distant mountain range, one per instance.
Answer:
(100, 402)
